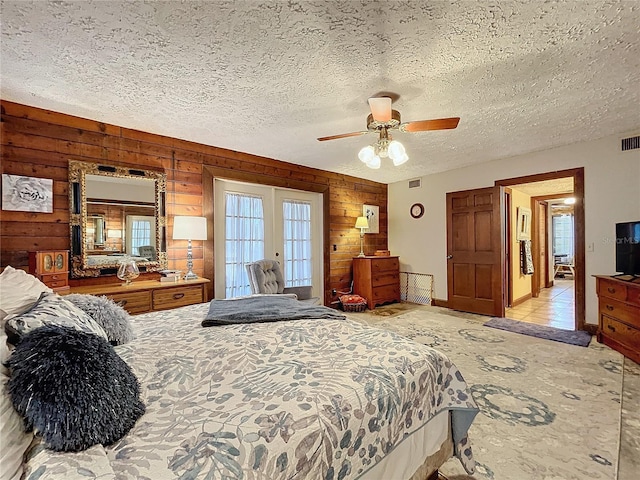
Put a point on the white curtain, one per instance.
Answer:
(140, 231)
(244, 240)
(298, 267)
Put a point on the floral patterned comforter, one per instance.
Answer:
(323, 399)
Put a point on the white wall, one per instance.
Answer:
(612, 194)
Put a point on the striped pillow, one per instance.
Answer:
(51, 309)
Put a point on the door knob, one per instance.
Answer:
(449, 257)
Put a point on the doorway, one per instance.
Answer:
(548, 297)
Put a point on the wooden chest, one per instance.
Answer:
(51, 267)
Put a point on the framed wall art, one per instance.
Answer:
(27, 194)
(523, 224)
(372, 212)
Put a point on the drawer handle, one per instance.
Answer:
(122, 303)
(610, 308)
(177, 296)
(611, 290)
(613, 329)
(54, 277)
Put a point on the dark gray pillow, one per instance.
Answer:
(113, 319)
(72, 388)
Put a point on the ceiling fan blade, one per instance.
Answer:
(380, 108)
(343, 135)
(424, 125)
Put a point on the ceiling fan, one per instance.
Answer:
(382, 119)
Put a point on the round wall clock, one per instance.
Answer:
(417, 210)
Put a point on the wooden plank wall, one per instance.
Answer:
(40, 143)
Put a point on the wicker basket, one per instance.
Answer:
(353, 303)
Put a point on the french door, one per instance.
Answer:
(253, 222)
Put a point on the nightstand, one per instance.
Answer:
(377, 279)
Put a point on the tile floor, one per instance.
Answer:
(553, 308)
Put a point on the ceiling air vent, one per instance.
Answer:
(417, 183)
(630, 143)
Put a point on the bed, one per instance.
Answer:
(113, 259)
(310, 398)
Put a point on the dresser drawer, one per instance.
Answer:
(55, 277)
(380, 279)
(610, 289)
(166, 298)
(133, 302)
(385, 265)
(386, 293)
(620, 311)
(57, 284)
(620, 332)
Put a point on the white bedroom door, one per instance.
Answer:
(252, 222)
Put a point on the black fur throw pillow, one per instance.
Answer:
(73, 389)
(114, 319)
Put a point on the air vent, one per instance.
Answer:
(630, 143)
(417, 183)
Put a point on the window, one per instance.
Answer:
(297, 243)
(139, 231)
(562, 226)
(244, 240)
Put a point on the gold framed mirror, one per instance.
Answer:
(116, 212)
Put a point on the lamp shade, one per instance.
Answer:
(361, 222)
(189, 228)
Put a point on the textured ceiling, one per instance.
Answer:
(270, 77)
(556, 186)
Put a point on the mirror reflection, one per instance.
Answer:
(115, 213)
(126, 207)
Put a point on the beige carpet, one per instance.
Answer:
(549, 410)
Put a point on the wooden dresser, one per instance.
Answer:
(51, 267)
(619, 315)
(377, 279)
(150, 295)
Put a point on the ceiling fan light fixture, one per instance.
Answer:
(396, 149)
(374, 162)
(400, 160)
(380, 108)
(366, 154)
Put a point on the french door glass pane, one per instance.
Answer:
(297, 243)
(244, 242)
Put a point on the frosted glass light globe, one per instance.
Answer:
(366, 154)
(374, 163)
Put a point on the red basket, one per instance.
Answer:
(353, 303)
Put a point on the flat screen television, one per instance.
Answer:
(628, 248)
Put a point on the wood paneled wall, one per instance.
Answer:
(40, 143)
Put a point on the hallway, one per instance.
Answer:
(553, 308)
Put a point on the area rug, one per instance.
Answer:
(393, 309)
(537, 398)
(579, 337)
